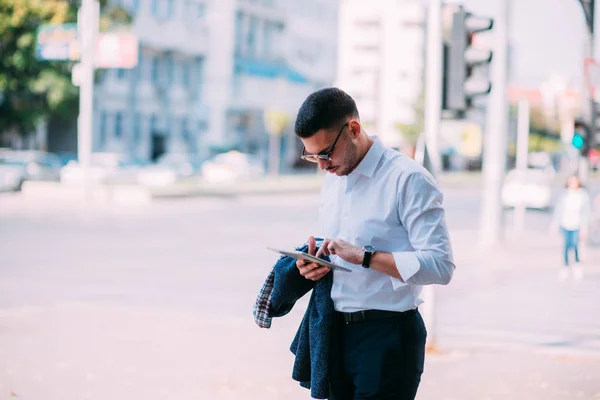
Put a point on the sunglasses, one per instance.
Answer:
(324, 155)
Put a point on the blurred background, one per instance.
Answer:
(148, 158)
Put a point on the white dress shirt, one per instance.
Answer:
(392, 203)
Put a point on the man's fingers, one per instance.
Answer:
(306, 267)
(312, 245)
(317, 273)
(331, 247)
(324, 248)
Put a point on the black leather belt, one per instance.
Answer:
(370, 315)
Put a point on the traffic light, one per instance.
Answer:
(581, 138)
(460, 84)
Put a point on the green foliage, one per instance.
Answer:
(544, 132)
(411, 132)
(31, 90)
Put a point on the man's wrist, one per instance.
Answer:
(360, 255)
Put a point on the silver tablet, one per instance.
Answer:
(298, 255)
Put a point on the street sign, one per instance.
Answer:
(112, 50)
(56, 42)
(116, 50)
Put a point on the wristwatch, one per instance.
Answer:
(369, 250)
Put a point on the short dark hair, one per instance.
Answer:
(324, 109)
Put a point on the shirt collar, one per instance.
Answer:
(370, 161)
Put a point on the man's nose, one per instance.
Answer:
(323, 164)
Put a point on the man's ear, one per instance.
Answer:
(354, 128)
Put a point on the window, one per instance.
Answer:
(141, 69)
(369, 24)
(132, 6)
(170, 8)
(366, 48)
(185, 130)
(153, 124)
(118, 124)
(155, 69)
(120, 73)
(200, 10)
(267, 39)
(199, 70)
(163, 9)
(185, 72)
(239, 32)
(168, 69)
(251, 38)
(102, 138)
(137, 129)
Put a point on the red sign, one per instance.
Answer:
(116, 50)
(594, 156)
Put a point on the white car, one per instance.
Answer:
(18, 166)
(12, 175)
(531, 187)
(104, 168)
(170, 168)
(232, 166)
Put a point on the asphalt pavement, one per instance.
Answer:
(155, 301)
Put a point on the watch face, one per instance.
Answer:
(369, 248)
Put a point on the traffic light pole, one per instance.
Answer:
(589, 112)
(433, 113)
(433, 84)
(87, 30)
(495, 141)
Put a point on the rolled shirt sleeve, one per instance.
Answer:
(420, 211)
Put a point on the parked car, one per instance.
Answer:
(12, 175)
(170, 168)
(232, 166)
(531, 187)
(19, 166)
(104, 168)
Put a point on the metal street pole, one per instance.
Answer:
(495, 141)
(433, 110)
(87, 30)
(433, 84)
(588, 101)
(522, 154)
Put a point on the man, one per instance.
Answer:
(381, 214)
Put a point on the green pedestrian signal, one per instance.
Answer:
(578, 141)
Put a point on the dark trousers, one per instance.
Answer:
(378, 359)
(571, 240)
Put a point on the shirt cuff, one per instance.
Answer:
(407, 265)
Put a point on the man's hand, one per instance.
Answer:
(311, 270)
(342, 249)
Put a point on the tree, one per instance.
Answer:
(411, 132)
(544, 131)
(31, 90)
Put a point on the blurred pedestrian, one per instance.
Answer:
(571, 216)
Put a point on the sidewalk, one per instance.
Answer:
(509, 375)
(507, 328)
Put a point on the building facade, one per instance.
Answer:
(381, 62)
(208, 70)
